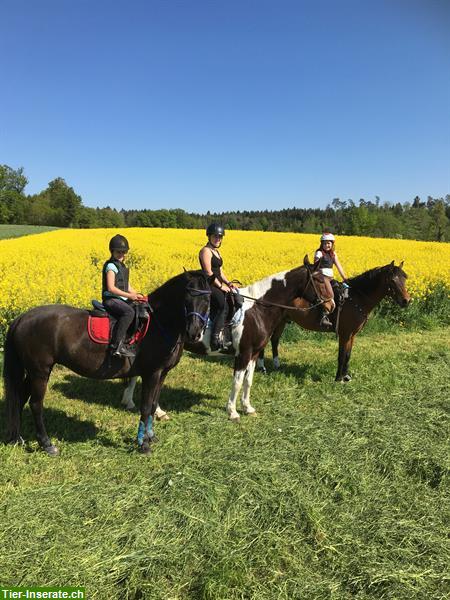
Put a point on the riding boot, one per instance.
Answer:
(217, 329)
(215, 342)
(123, 350)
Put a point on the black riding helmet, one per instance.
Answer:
(119, 242)
(215, 229)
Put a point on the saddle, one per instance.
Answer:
(101, 324)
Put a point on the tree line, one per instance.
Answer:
(59, 205)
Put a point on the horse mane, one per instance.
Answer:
(262, 285)
(173, 288)
(365, 281)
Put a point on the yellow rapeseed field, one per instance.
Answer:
(64, 266)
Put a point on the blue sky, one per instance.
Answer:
(227, 105)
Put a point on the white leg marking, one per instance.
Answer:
(260, 363)
(248, 380)
(276, 362)
(161, 414)
(238, 379)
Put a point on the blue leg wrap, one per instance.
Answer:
(142, 430)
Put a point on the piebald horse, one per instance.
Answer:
(48, 335)
(265, 303)
(365, 293)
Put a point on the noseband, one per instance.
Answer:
(196, 292)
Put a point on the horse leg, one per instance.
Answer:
(151, 387)
(345, 349)
(127, 396)
(276, 361)
(275, 340)
(238, 379)
(247, 408)
(38, 387)
(128, 402)
(260, 363)
(23, 392)
(346, 375)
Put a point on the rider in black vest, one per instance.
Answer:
(117, 293)
(211, 262)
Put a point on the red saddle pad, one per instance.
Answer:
(98, 330)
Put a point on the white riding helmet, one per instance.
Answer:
(327, 237)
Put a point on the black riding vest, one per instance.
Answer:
(216, 264)
(122, 277)
(326, 260)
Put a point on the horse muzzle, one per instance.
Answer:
(329, 305)
(195, 327)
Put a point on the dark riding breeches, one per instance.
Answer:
(218, 309)
(124, 314)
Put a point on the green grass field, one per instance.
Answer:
(13, 231)
(335, 491)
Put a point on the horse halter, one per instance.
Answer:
(394, 290)
(197, 292)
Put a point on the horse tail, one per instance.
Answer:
(13, 376)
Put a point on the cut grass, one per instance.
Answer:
(14, 231)
(333, 492)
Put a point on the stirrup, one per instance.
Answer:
(325, 322)
(124, 351)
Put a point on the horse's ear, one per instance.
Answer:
(184, 269)
(306, 261)
(392, 265)
(401, 264)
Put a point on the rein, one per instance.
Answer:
(297, 308)
(266, 303)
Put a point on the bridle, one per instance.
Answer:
(297, 308)
(197, 292)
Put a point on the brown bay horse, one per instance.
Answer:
(56, 334)
(365, 293)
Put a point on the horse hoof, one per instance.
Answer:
(163, 417)
(251, 414)
(235, 418)
(51, 450)
(131, 409)
(262, 370)
(347, 378)
(145, 449)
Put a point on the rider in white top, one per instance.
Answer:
(328, 258)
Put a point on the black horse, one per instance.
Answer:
(365, 293)
(57, 334)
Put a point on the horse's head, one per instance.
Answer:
(196, 303)
(318, 287)
(396, 284)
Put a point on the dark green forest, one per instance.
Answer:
(60, 206)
